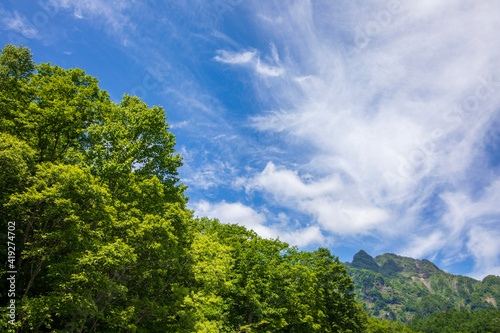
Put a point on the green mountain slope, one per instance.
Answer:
(400, 288)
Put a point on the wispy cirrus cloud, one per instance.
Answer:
(18, 23)
(483, 244)
(234, 58)
(268, 67)
(112, 11)
(400, 121)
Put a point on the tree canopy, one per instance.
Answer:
(104, 241)
(480, 321)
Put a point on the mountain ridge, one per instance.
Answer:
(399, 288)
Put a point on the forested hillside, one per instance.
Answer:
(400, 288)
(97, 237)
(479, 321)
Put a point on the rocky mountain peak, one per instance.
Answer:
(363, 260)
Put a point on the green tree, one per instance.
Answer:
(274, 287)
(483, 321)
(104, 241)
(16, 68)
(103, 237)
(386, 326)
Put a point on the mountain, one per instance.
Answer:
(400, 288)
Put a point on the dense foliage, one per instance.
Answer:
(103, 239)
(482, 321)
(386, 326)
(399, 288)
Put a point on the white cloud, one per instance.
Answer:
(484, 245)
(113, 12)
(78, 13)
(180, 124)
(337, 207)
(18, 23)
(235, 57)
(424, 246)
(472, 225)
(307, 236)
(286, 185)
(208, 176)
(269, 68)
(224, 37)
(237, 213)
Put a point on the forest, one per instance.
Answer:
(97, 236)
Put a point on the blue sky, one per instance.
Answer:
(344, 124)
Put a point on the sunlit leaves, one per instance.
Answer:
(16, 67)
(103, 236)
(105, 241)
(277, 288)
(132, 140)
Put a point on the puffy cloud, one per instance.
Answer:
(246, 216)
(235, 213)
(338, 208)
